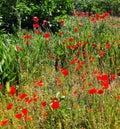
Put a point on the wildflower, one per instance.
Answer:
(23, 71)
(36, 26)
(28, 118)
(9, 106)
(102, 107)
(25, 111)
(106, 14)
(80, 24)
(44, 22)
(4, 122)
(54, 99)
(22, 96)
(12, 90)
(47, 35)
(78, 67)
(105, 84)
(18, 116)
(40, 83)
(90, 110)
(27, 36)
(100, 92)
(28, 42)
(97, 16)
(28, 100)
(118, 97)
(75, 29)
(112, 77)
(74, 61)
(63, 42)
(94, 45)
(60, 33)
(58, 82)
(92, 91)
(104, 77)
(89, 36)
(82, 87)
(70, 39)
(101, 53)
(43, 103)
(92, 18)
(35, 19)
(35, 97)
(44, 115)
(61, 21)
(74, 92)
(22, 64)
(55, 105)
(38, 32)
(1, 86)
(65, 72)
(18, 48)
(108, 46)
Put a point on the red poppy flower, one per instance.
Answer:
(54, 99)
(100, 92)
(118, 97)
(38, 32)
(9, 106)
(108, 46)
(74, 92)
(43, 103)
(47, 35)
(60, 33)
(12, 90)
(63, 42)
(4, 122)
(23, 71)
(40, 83)
(18, 116)
(75, 29)
(94, 45)
(28, 42)
(35, 19)
(70, 39)
(22, 96)
(35, 26)
(74, 61)
(80, 24)
(1, 86)
(55, 105)
(65, 72)
(25, 111)
(92, 91)
(44, 22)
(27, 36)
(18, 48)
(28, 118)
(61, 21)
(112, 77)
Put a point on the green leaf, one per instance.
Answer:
(8, 86)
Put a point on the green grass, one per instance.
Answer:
(62, 82)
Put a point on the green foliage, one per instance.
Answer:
(99, 6)
(8, 69)
(18, 14)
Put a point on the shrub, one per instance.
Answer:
(18, 14)
(98, 6)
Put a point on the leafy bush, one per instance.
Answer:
(18, 14)
(98, 6)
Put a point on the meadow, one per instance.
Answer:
(64, 80)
